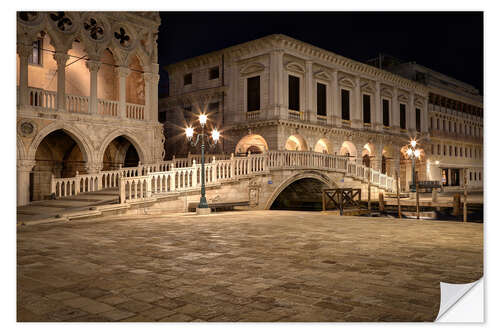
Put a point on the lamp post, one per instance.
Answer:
(414, 154)
(215, 137)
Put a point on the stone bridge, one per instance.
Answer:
(274, 179)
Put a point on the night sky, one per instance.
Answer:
(447, 42)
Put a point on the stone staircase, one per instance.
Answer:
(47, 210)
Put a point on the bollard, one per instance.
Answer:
(381, 204)
(456, 204)
(397, 186)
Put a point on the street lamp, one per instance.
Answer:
(414, 153)
(215, 137)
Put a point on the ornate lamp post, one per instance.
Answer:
(414, 153)
(215, 137)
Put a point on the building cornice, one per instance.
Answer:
(310, 52)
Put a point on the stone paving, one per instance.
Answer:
(242, 266)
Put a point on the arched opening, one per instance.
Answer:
(386, 163)
(122, 152)
(302, 194)
(296, 142)
(57, 154)
(323, 146)
(348, 149)
(367, 153)
(252, 143)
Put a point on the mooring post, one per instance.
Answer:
(465, 195)
(381, 204)
(418, 197)
(369, 193)
(323, 199)
(456, 204)
(397, 189)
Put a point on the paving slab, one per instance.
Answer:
(242, 266)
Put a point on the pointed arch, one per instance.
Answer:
(143, 157)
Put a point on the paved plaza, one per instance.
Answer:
(242, 266)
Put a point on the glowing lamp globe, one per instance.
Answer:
(189, 132)
(203, 119)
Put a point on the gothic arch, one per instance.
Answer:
(21, 149)
(300, 175)
(322, 145)
(80, 138)
(143, 157)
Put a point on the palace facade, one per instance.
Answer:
(87, 95)
(278, 93)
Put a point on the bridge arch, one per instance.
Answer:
(254, 143)
(318, 177)
(296, 142)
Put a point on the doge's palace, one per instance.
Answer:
(87, 95)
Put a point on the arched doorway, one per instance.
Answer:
(57, 154)
(296, 142)
(122, 152)
(252, 143)
(323, 146)
(302, 194)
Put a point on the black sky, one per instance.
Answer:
(448, 42)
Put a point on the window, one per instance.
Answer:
(345, 105)
(456, 151)
(213, 107)
(417, 119)
(293, 93)
(444, 150)
(479, 175)
(188, 114)
(321, 99)
(450, 150)
(461, 151)
(432, 123)
(253, 93)
(35, 57)
(188, 79)
(366, 109)
(213, 73)
(470, 174)
(385, 112)
(162, 116)
(432, 149)
(439, 149)
(475, 176)
(402, 116)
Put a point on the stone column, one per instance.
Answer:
(410, 116)
(309, 110)
(395, 111)
(274, 97)
(148, 110)
(377, 111)
(154, 92)
(93, 66)
(356, 120)
(395, 161)
(337, 116)
(24, 168)
(61, 58)
(425, 118)
(24, 50)
(123, 72)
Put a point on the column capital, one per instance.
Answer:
(93, 65)
(93, 167)
(61, 58)
(25, 165)
(24, 50)
(123, 72)
(147, 76)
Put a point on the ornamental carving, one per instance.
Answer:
(94, 28)
(62, 21)
(26, 128)
(28, 17)
(123, 37)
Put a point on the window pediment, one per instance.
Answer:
(386, 93)
(403, 98)
(344, 81)
(251, 68)
(295, 67)
(367, 87)
(322, 75)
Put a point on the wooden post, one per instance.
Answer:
(465, 195)
(381, 205)
(397, 188)
(418, 197)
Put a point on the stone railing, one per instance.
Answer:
(42, 99)
(77, 104)
(253, 115)
(183, 174)
(135, 111)
(107, 108)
